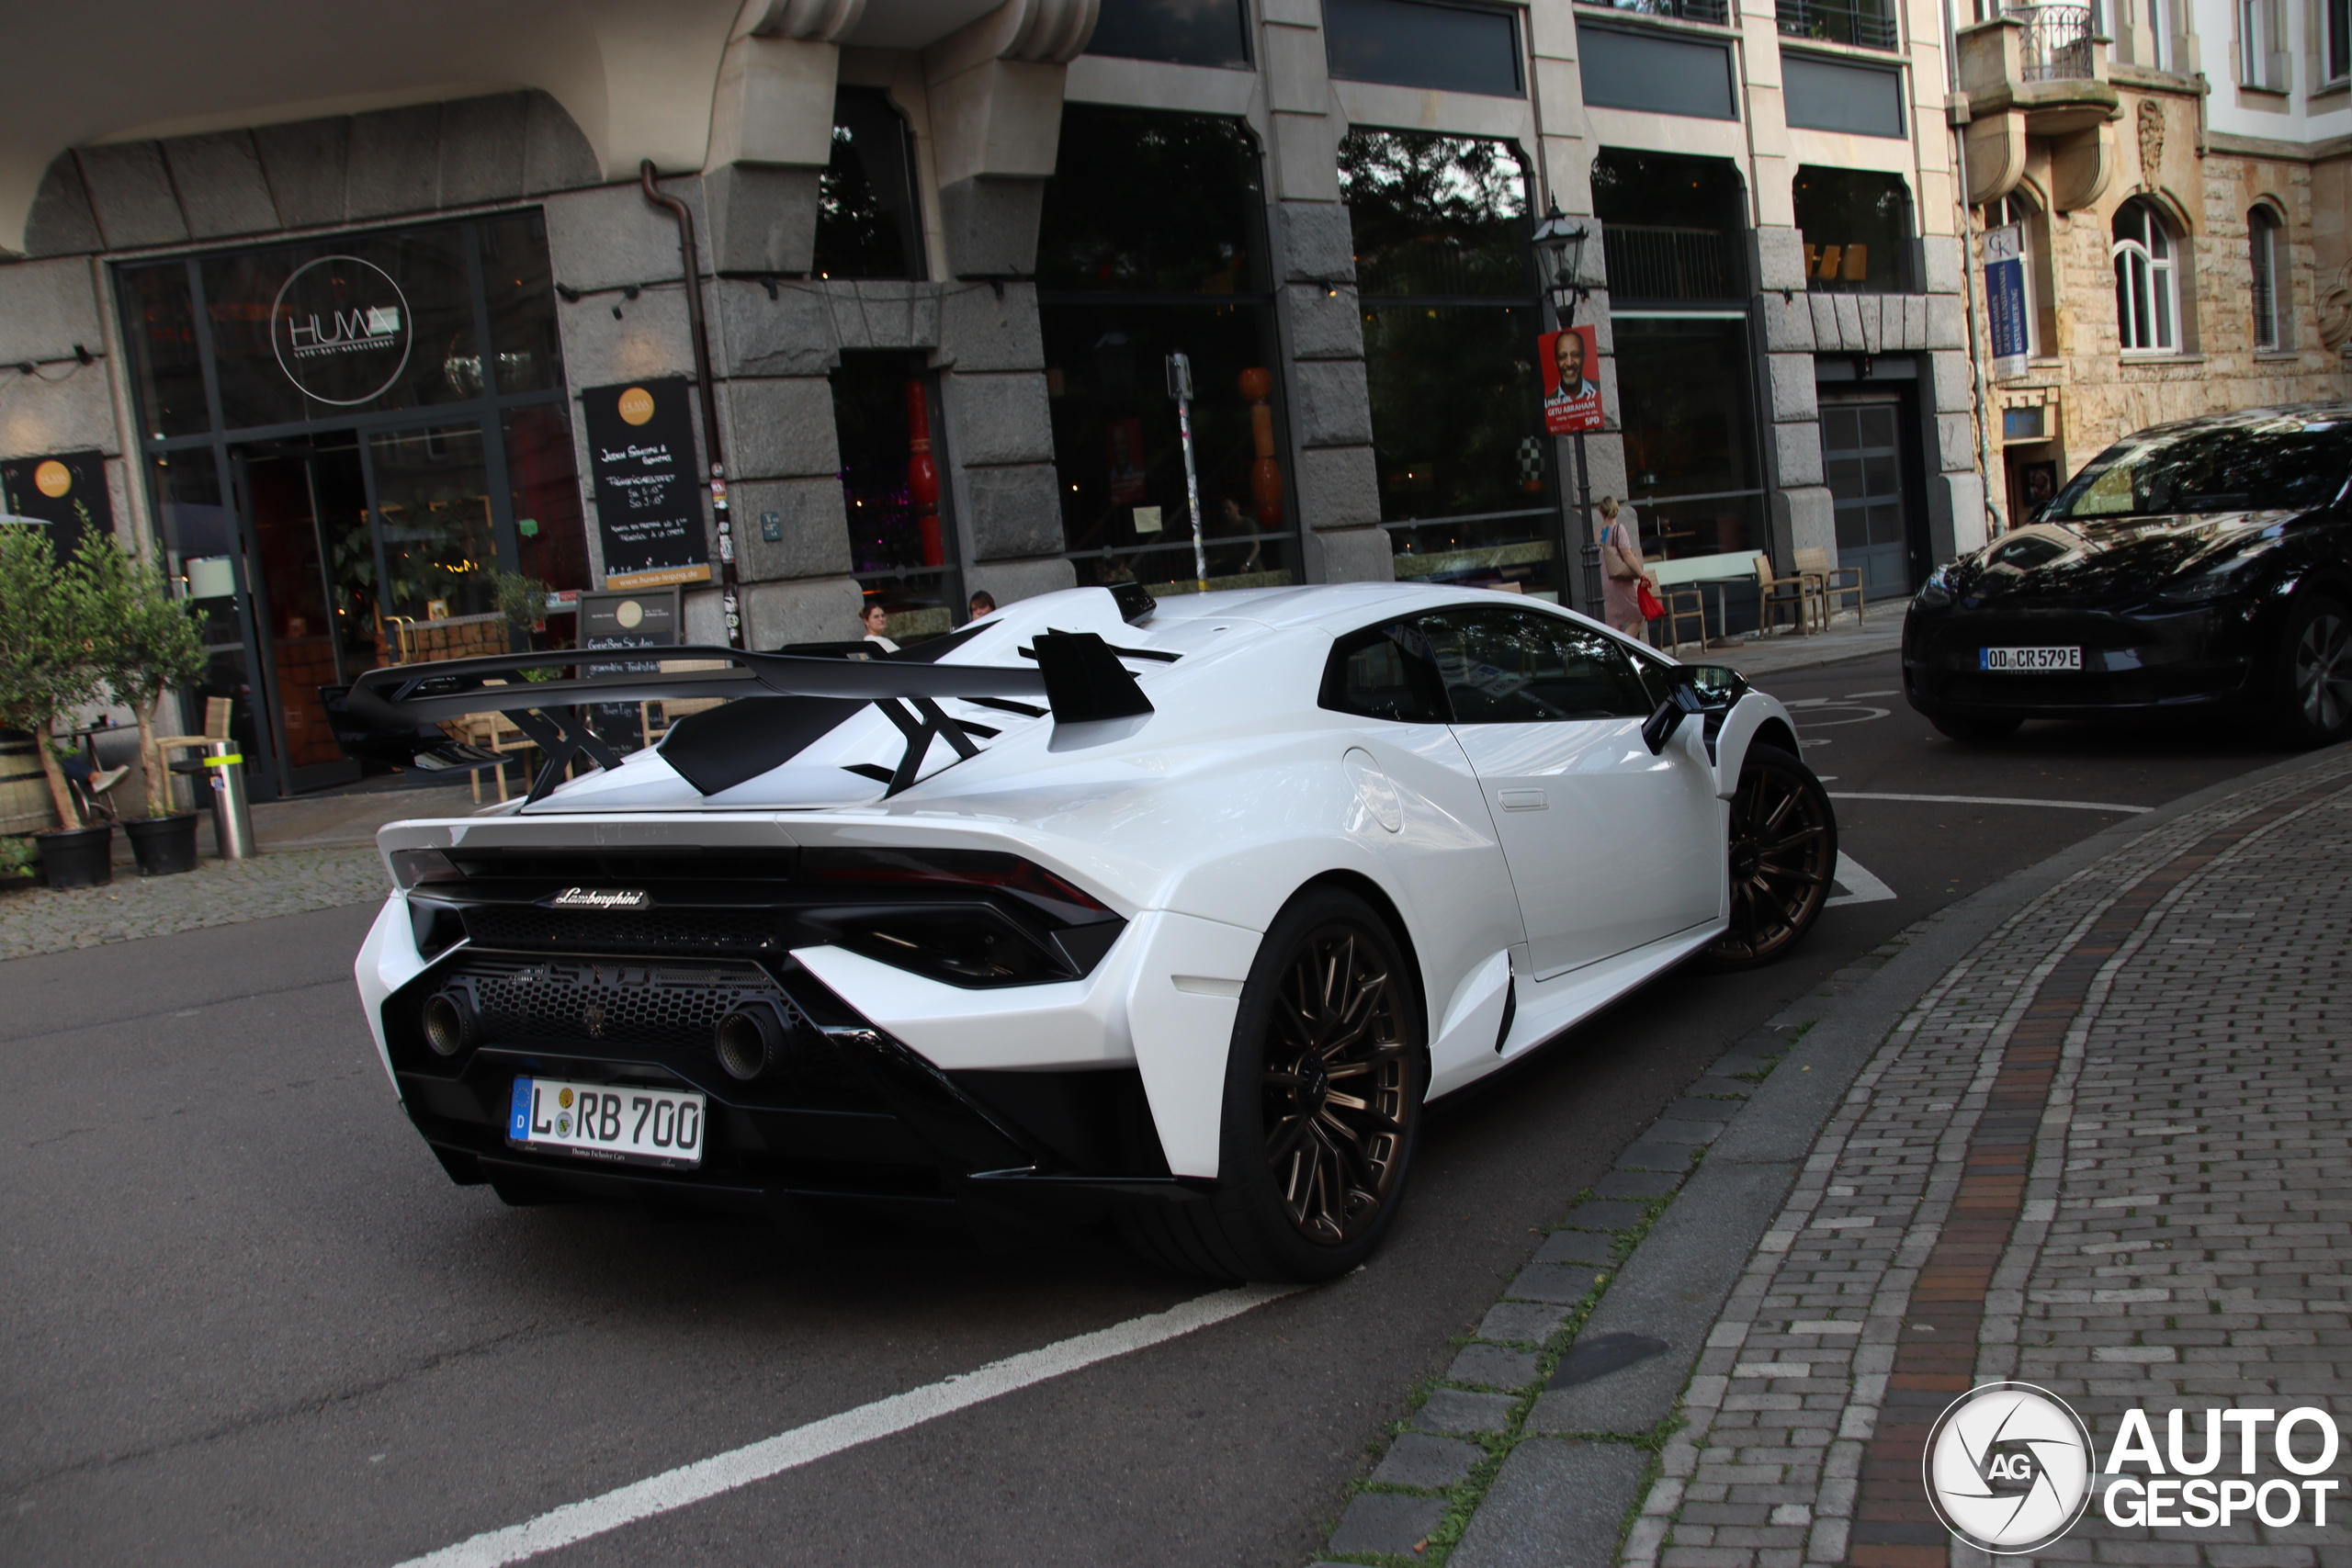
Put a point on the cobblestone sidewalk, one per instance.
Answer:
(2105, 1155)
(218, 893)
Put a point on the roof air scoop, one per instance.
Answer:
(1084, 680)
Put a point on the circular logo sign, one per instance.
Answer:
(341, 328)
(629, 613)
(636, 405)
(2008, 1468)
(53, 479)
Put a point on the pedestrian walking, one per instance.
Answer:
(1623, 571)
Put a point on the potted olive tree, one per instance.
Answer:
(148, 645)
(48, 665)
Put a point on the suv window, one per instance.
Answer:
(1385, 672)
(1510, 666)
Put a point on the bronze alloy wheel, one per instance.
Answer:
(1783, 846)
(1334, 1089)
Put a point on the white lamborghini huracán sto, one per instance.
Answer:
(1174, 914)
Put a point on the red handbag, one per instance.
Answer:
(1652, 608)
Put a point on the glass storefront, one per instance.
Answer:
(892, 492)
(1153, 243)
(1447, 285)
(1675, 236)
(1857, 228)
(348, 441)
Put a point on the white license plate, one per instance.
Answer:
(626, 1122)
(2011, 659)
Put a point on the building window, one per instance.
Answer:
(1672, 228)
(2015, 211)
(1716, 11)
(2147, 286)
(884, 403)
(1857, 228)
(1870, 23)
(2261, 45)
(1186, 32)
(2266, 252)
(1152, 243)
(2337, 46)
(1450, 322)
(866, 223)
(1424, 44)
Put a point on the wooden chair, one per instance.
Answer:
(1681, 604)
(1830, 582)
(218, 711)
(1776, 595)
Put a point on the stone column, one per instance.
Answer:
(995, 93)
(1312, 253)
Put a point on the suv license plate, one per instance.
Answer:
(2016, 659)
(623, 1122)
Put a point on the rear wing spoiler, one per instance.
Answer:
(392, 715)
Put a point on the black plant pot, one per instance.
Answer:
(163, 846)
(78, 857)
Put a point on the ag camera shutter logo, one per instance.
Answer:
(2008, 1468)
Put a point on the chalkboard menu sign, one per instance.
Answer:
(636, 618)
(66, 494)
(649, 484)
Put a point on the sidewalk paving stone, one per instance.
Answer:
(2090, 1137)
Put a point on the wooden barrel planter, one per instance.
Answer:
(24, 794)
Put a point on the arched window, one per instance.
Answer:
(2147, 286)
(2266, 254)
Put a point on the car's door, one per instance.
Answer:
(1609, 847)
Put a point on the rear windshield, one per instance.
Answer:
(2287, 465)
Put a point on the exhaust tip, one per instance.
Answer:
(448, 1022)
(750, 1041)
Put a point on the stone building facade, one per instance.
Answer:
(982, 225)
(2083, 130)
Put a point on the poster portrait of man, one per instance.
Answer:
(1571, 396)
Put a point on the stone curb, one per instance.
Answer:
(1574, 1460)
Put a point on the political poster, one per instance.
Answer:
(1570, 361)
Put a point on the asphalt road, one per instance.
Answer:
(245, 1317)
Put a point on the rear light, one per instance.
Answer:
(964, 868)
(411, 867)
(968, 946)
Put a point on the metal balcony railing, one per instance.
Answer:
(1870, 23)
(1653, 262)
(1718, 11)
(2058, 40)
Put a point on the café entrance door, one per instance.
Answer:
(355, 540)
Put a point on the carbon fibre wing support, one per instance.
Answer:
(390, 712)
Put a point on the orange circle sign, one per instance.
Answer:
(53, 479)
(636, 405)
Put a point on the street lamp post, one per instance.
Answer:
(1561, 243)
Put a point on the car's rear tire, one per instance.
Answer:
(2314, 702)
(1323, 1090)
(1782, 842)
(1976, 728)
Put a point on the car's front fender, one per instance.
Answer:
(1753, 715)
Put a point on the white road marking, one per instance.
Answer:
(690, 1483)
(1856, 696)
(1998, 800)
(1861, 886)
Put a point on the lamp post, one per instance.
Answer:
(1560, 242)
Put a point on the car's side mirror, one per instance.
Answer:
(1680, 703)
(1718, 685)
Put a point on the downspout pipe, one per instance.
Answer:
(730, 595)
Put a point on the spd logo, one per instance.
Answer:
(2008, 1468)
